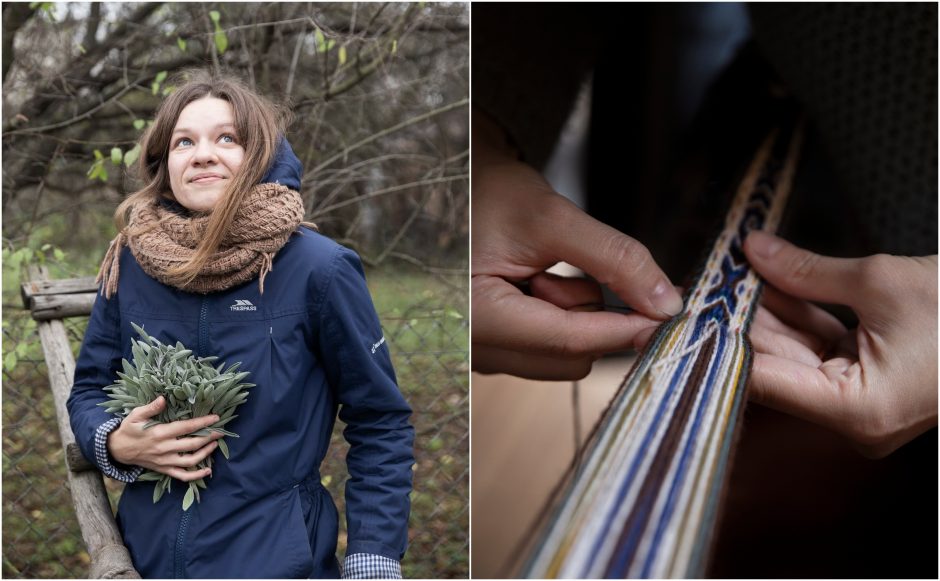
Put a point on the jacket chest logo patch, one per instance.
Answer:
(377, 345)
(243, 305)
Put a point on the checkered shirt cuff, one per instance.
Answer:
(367, 566)
(104, 459)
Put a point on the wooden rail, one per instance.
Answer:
(50, 301)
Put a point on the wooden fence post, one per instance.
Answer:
(110, 559)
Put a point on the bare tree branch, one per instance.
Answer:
(397, 127)
(389, 190)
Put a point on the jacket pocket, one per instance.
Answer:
(322, 526)
(300, 555)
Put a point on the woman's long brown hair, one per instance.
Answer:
(258, 125)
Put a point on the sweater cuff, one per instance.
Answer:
(105, 464)
(368, 566)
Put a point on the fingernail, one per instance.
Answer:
(763, 244)
(666, 300)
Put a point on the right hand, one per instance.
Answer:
(163, 448)
(877, 383)
(521, 227)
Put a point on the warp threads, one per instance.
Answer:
(643, 503)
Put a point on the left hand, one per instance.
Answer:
(877, 383)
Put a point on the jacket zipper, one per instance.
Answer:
(203, 341)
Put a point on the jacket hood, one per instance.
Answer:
(286, 168)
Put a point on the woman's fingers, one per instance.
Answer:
(614, 259)
(187, 459)
(773, 342)
(186, 475)
(764, 319)
(567, 292)
(802, 315)
(488, 359)
(184, 427)
(794, 388)
(802, 273)
(191, 443)
(504, 318)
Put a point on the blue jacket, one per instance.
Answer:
(313, 345)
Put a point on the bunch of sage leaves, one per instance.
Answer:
(192, 388)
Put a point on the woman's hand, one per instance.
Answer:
(163, 448)
(521, 227)
(877, 383)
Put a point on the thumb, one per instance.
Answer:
(619, 261)
(145, 412)
(802, 273)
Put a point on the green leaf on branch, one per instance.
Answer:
(132, 154)
(97, 170)
(214, 15)
(342, 55)
(116, 155)
(394, 46)
(221, 41)
(59, 254)
(181, 43)
(323, 45)
(139, 124)
(155, 87)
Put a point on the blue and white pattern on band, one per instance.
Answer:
(644, 501)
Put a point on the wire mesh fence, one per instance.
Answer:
(425, 320)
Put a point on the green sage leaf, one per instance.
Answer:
(188, 498)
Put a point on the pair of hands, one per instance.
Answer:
(876, 384)
(163, 447)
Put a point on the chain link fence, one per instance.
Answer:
(425, 319)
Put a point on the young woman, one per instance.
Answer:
(212, 252)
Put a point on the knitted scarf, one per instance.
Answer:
(161, 239)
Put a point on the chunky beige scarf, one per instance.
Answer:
(161, 240)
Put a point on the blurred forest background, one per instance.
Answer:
(379, 94)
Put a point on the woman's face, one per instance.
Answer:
(204, 153)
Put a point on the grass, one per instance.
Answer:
(426, 326)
